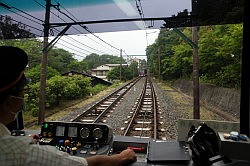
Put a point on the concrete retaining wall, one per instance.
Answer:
(224, 99)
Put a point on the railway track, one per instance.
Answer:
(148, 121)
(144, 121)
(97, 112)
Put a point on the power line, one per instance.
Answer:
(8, 17)
(9, 7)
(73, 27)
(85, 28)
(85, 45)
(72, 39)
(73, 49)
(76, 46)
(141, 13)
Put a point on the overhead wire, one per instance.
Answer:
(70, 48)
(84, 27)
(22, 23)
(73, 28)
(76, 46)
(141, 13)
(9, 7)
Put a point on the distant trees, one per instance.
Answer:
(127, 73)
(219, 49)
(95, 60)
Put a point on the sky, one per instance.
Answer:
(131, 43)
(93, 15)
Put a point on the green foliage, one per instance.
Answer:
(114, 74)
(127, 73)
(66, 88)
(94, 60)
(34, 73)
(219, 51)
(31, 98)
(98, 88)
(58, 88)
(78, 66)
(133, 67)
(59, 59)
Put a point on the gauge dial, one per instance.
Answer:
(72, 131)
(84, 132)
(97, 133)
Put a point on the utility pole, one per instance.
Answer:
(121, 65)
(159, 64)
(44, 63)
(196, 91)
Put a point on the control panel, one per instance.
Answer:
(85, 139)
(81, 139)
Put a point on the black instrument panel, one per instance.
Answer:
(80, 132)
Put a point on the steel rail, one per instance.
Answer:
(138, 106)
(93, 107)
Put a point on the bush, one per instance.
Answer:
(98, 88)
(58, 88)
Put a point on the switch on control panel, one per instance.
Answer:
(77, 138)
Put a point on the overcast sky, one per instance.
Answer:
(131, 42)
(113, 36)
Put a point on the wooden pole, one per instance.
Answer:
(196, 92)
(44, 63)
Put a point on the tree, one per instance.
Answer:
(11, 30)
(127, 73)
(133, 67)
(59, 59)
(219, 55)
(78, 66)
(95, 60)
(34, 73)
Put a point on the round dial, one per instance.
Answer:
(84, 132)
(97, 133)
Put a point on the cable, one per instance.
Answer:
(72, 39)
(21, 23)
(73, 50)
(85, 45)
(86, 28)
(76, 46)
(140, 10)
(9, 7)
(73, 27)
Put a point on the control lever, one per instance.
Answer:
(136, 148)
(96, 145)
